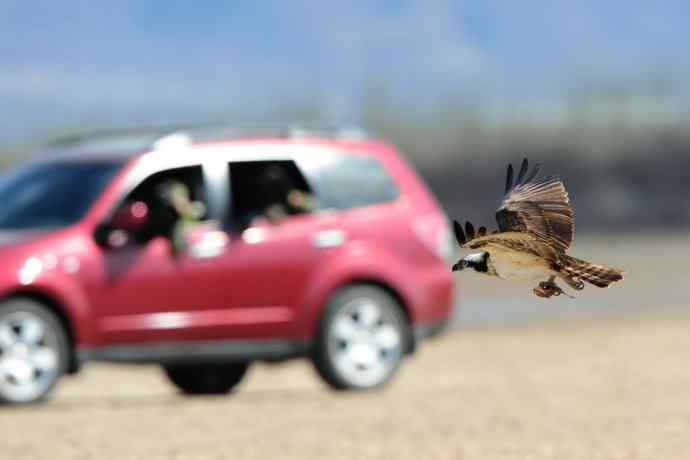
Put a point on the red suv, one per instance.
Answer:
(99, 263)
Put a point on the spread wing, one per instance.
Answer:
(540, 207)
(468, 234)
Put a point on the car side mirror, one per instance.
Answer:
(129, 219)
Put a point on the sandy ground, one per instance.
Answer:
(604, 376)
(610, 389)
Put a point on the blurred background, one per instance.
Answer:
(597, 91)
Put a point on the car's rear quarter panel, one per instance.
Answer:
(382, 247)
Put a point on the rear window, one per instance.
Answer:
(352, 181)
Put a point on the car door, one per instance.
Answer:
(146, 292)
(268, 265)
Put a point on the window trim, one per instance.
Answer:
(218, 190)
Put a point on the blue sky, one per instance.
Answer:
(84, 63)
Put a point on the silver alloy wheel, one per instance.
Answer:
(365, 342)
(29, 356)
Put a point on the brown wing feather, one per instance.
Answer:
(517, 241)
(468, 233)
(537, 206)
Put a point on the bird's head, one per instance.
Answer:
(475, 261)
(462, 263)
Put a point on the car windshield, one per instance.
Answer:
(51, 194)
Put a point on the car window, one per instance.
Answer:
(351, 181)
(271, 190)
(52, 194)
(153, 190)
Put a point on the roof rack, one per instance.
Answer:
(159, 137)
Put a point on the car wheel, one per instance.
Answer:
(362, 338)
(205, 378)
(34, 351)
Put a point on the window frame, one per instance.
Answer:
(230, 202)
(214, 159)
(143, 170)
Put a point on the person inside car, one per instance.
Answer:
(282, 197)
(188, 213)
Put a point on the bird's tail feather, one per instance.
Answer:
(597, 275)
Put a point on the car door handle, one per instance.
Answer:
(328, 238)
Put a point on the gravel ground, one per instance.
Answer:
(614, 388)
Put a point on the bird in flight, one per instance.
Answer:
(535, 231)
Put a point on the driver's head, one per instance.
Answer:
(275, 177)
(173, 191)
(275, 183)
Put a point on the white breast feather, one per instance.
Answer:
(518, 266)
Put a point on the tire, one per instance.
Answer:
(205, 378)
(34, 351)
(362, 338)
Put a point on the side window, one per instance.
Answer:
(352, 181)
(271, 190)
(156, 192)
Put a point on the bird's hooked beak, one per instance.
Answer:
(462, 263)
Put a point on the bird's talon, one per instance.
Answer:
(548, 289)
(542, 292)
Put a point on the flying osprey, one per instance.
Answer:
(536, 229)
